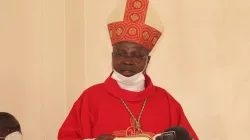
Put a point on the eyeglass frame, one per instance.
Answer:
(133, 57)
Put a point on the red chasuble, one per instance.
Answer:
(99, 110)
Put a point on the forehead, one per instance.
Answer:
(129, 47)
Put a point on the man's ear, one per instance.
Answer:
(149, 57)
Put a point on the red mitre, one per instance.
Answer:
(135, 21)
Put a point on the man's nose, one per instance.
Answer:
(128, 60)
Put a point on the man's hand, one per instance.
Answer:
(105, 137)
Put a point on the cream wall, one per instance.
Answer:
(51, 50)
(33, 65)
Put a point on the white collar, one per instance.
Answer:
(135, 83)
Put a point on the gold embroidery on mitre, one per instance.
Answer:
(132, 31)
(133, 25)
(119, 31)
(145, 35)
(110, 34)
(137, 4)
(154, 40)
(134, 17)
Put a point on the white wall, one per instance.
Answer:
(51, 50)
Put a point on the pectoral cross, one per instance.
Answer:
(138, 126)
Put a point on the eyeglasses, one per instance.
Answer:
(135, 58)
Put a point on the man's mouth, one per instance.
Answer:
(127, 72)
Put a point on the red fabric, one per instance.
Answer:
(138, 33)
(133, 27)
(136, 11)
(99, 110)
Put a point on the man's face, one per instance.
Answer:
(129, 58)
